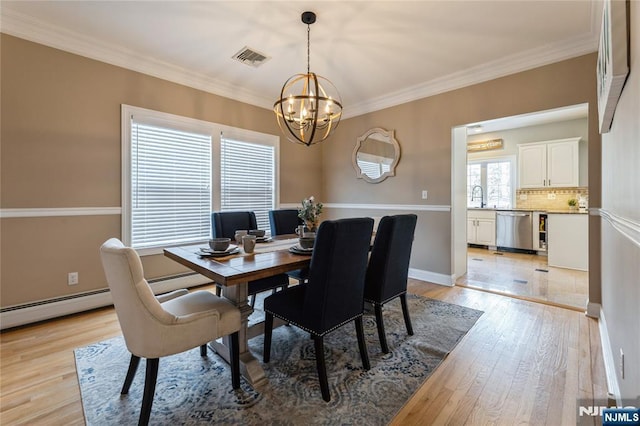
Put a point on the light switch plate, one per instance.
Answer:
(551, 196)
(425, 194)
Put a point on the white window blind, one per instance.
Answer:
(247, 178)
(373, 169)
(170, 186)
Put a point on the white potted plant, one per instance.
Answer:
(310, 213)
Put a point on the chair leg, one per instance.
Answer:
(362, 344)
(131, 372)
(405, 313)
(318, 342)
(218, 290)
(203, 350)
(380, 323)
(268, 329)
(234, 354)
(253, 301)
(151, 376)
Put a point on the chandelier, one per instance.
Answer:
(309, 108)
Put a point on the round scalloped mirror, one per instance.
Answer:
(376, 155)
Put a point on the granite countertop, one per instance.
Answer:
(531, 210)
(498, 209)
(567, 212)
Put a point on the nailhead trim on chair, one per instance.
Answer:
(311, 331)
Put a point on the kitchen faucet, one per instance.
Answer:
(473, 196)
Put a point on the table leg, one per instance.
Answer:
(250, 366)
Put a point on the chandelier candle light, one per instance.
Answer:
(309, 108)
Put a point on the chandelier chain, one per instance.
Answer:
(308, 47)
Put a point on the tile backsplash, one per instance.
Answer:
(539, 198)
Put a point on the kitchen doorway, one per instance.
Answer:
(525, 276)
(511, 273)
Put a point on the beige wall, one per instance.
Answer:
(423, 129)
(621, 223)
(60, 148)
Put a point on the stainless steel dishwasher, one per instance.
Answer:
(513, 229)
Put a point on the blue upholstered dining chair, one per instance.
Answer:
(388, 269)
(285, 221)
(333, 296)
(224, 225)
(154, 327)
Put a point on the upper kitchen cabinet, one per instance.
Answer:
(549, 164)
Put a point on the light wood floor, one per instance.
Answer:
(525, 275)
(522, 363)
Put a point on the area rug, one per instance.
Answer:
(193, 390)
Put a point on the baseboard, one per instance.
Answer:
(593, 310)
(15, 316)
(609, 361)
(432, 277)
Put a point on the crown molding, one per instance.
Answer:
(512, 64)
(28, 28)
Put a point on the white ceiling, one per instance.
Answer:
(377, 53)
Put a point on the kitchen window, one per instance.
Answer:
(177, 170)
(490, 183)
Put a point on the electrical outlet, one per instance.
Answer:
(425, 194)
(551, 196)
(523, 197)
(621, 364)
(72, 278)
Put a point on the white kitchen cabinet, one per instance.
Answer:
(568, 245)
(481, 227)
(549, 164)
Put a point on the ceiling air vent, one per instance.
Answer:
(251, 57)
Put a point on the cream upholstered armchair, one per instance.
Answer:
(166, 325)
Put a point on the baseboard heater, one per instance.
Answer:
(27, 313)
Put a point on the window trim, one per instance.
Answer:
(215, 130)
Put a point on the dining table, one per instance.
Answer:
(232, 273)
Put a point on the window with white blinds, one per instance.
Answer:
(177, 170)
(170, 186)
(247, 178)
(373, 169)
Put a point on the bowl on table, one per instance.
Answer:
(219, 244)
(260, 233)
(306, 242)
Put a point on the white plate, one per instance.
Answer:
(299, 250)
(263, 239)
(230, 249)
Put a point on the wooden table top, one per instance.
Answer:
(269, 259)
